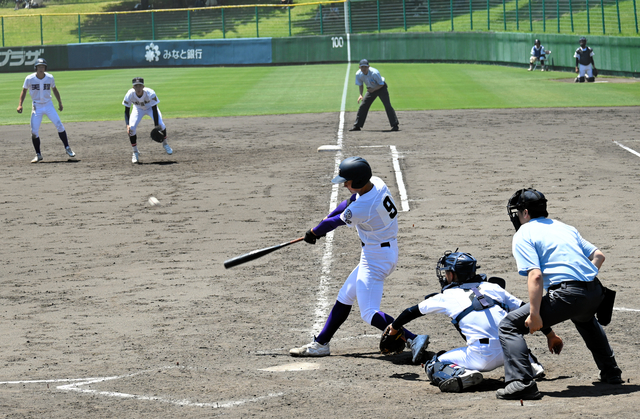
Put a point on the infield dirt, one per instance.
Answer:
(112, 308)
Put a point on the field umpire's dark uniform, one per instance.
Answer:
(555, 257)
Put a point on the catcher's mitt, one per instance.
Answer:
(157, 135)
(392, 344)
(595, 72)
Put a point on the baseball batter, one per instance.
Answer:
(144, 102)
(476, 306)
(372, 211)
(40, 85)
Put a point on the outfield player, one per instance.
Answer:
(554, 257)
(372, 211)
(40, 85)
(145, 102)
(584, 62)
(476, 306)
(376, 87)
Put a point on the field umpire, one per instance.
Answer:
(556, 258)
(376, 87)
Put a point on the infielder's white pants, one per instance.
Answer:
(366, 282)
(137, 115)
(38, 111)
(585, 69)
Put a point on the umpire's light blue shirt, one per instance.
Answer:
(372, 79)
(557, 249)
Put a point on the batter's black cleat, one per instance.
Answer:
(395, 128)
(518, 390)
(354, 128)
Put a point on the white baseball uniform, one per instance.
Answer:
(40, 91)
(483, 351)
(141, 106)
(374, 215)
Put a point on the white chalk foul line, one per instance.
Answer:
(630, 150)
(396, 167)
(625, 309)
(77, 383)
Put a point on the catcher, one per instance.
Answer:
(145, 102)
(585, 66)
(476, 306)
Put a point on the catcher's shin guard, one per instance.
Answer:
(591, 79)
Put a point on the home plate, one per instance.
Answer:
(329, 148)
(297, 366)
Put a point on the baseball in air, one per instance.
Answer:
(153, 201)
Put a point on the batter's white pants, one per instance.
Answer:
(366, 282)
(38, 111)
(585, 69)
(137, 115)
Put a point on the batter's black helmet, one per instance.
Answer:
(355, 169)
(526, 199)
(40, 61)
(463, 264)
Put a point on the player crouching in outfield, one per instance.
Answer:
(145, 102)
(476, 306)
(40, 85)
(371, 210)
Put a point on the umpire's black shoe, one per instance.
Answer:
(517, 390)
(613, 376)
(354, 128)
(395, 128)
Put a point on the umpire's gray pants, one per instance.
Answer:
(575, 301)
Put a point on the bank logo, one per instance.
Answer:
(152, 52)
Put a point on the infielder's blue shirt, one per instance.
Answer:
(372, 79)
(557, 249)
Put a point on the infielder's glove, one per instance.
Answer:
(595, 72)
(157, 135)
(392, 344)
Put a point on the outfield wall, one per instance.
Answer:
(613, 55)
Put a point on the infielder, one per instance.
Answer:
(372, 211)
(40, 85)
(145, 102)
(554, 257)
(376, 87)
(584, 62)
(476, 306)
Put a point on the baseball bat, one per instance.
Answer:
(255, 254)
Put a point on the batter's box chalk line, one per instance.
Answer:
(78, 384)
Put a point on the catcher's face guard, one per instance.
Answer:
(463, 264)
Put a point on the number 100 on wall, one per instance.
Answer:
(337, 41)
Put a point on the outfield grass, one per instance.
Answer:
(207, 92)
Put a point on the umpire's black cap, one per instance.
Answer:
(137, 80)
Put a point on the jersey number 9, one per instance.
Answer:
(390, 207)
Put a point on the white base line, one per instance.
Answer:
(399, 179)
(78, 382)
(628, 149)
(625, 309)
(322, 305)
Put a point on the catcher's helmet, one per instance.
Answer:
(582, 41)
(463, 264)
(40, 61)
(529, 199)
(537, 41)
(355, 169)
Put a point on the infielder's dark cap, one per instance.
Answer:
(137, 80)
(364, 63)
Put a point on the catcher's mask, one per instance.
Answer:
(537, 42)
(463, 264)
(529, 199)
(583, 42)
(355, 169)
